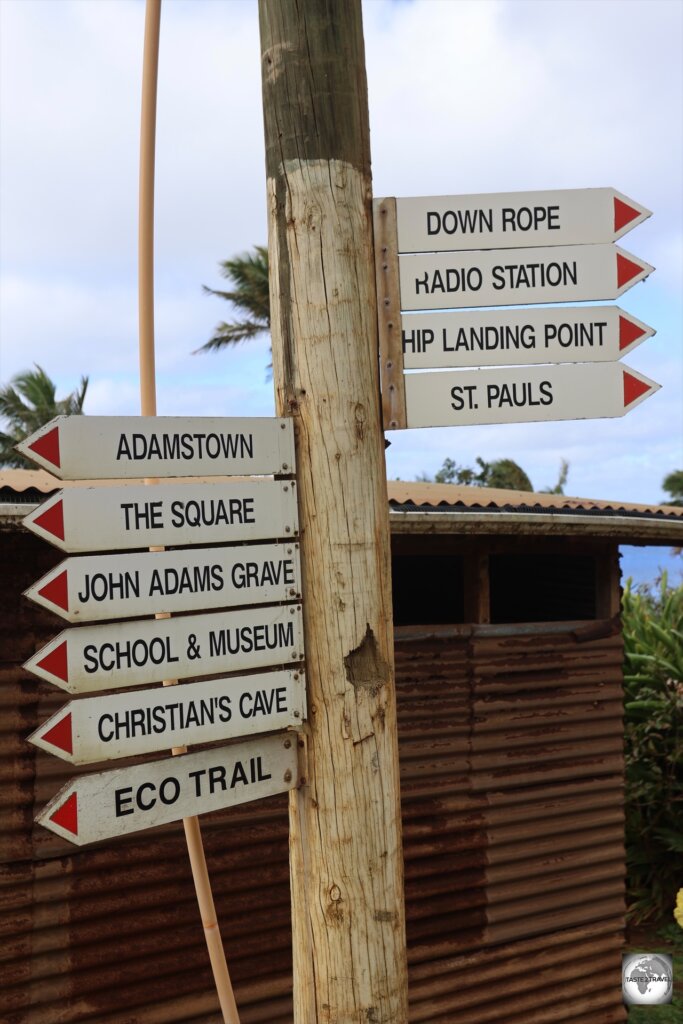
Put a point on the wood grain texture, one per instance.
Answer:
(345, 842)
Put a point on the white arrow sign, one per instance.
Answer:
(512, 337)
(524, 394)
(145, 721)
(515, 219)
(122, 586)
(513, 277)
(125, 800)
(80, 519)
(129, 447)
(89, 659)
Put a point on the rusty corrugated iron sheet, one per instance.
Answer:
(512, 793)
(511, 767)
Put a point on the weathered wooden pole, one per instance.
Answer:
(346, 855)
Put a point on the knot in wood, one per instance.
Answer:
(365, 667)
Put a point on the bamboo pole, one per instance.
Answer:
(148, 407)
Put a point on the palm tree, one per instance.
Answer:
(249, 275)
(27, 403)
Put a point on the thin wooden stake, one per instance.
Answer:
(148, 407)
(394, 414)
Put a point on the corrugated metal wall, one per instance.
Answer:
(512, 790)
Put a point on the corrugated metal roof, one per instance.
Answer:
(402, 492)
(418, 507)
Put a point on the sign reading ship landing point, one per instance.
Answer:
(129, 447)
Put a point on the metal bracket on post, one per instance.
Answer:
(389, 315)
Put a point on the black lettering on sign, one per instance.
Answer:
(534, 275)
(450, 222)
(173, 447)
(518, 395)
(463, 397)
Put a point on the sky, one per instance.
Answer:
(465, 97)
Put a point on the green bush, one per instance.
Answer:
(653, 710)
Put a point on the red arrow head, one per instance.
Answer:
(47, 446)
(633, 388)
(626, 270)
(55, 662)
(60, 735)
(623, 214)
(56, 591)
(66, 816)
(628, 332)
(52, 520)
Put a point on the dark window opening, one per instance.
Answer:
(542, 587)
(428, 589)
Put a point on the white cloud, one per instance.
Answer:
(464, 97)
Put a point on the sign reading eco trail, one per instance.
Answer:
(115, 803)
(129, 447)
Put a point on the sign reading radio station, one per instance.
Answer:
(144, 721)
(515, 219)
(572, 273)
(519, 336)
(115, 803)
(89, 659)
(121, 586)
(524, 394)
(103, 518)
(129, 447)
